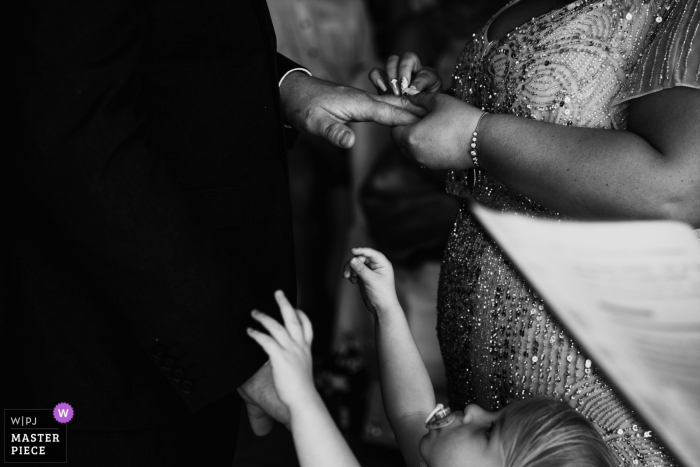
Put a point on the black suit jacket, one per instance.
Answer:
(146, 202)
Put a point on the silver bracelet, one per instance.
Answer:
(473, 150)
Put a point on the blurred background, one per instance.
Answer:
(371, 196)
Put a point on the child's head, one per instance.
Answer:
(535, 432)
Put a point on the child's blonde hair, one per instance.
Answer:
(541, 432)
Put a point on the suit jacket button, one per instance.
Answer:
(168, 363)
(186, 386)
(177, 374)
(158, 351)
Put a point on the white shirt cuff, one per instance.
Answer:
(294, 69)
(286, 74)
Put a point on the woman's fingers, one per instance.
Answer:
(409, 64)
(379, 80)
(276, 330)
(400, 73)
(392, 64)
(289, 315)
(427, 80)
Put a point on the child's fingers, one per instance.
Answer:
(289, 315)
(375, 258)
(269, 345)
(306, 326)
(276, 330)
(360, 269)
(349, 273)
(347, 270)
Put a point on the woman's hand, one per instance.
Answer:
(405, 76)
(375, 276)
(442, 138)
(289, 348)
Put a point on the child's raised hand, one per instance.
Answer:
(374, 274)
(289, 348)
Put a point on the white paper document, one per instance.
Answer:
(630, 293)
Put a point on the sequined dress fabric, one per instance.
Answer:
(577, 66)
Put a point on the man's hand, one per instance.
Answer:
(442, 138)
(323, 108)
(262, 402)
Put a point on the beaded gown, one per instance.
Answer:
(578, 66)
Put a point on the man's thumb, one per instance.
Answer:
(336, 133)
(260, 422)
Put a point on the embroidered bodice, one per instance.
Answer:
(578, 65)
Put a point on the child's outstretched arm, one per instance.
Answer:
(318, 441)
(406, 387)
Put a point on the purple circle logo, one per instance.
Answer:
(63, 412)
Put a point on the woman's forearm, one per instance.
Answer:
(592, 173)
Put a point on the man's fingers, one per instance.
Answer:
(387, 114)
(404, 103)
(260, 422)
(262, 401)
(289, 315)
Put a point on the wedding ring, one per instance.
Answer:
(440, 417)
